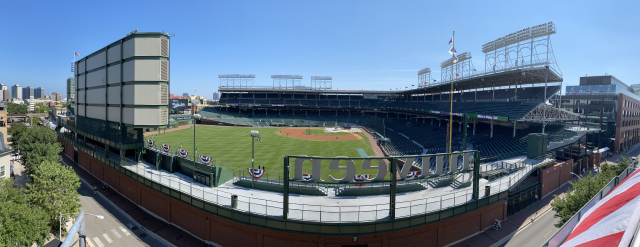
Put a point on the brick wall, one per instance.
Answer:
(555, 175)
(227, 232)
(68, 148)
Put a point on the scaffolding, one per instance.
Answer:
(236, 80)
(424, 77)
(463, 68)
(321, 82)
(287, 81)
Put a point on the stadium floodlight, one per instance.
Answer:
(519, 36)
(254, 134)
(424, 71)
(287, 76)
(237, 76)
(462, 57)
(321, 78)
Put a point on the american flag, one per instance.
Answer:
(612, 221)
(77, 54)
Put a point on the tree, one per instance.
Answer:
(583, 190)
(13, 108)
(20, 221)
(54, 188)
(16, 130)
(38, 144)
(41, 108)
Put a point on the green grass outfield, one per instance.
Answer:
(233, 146)
(320, 132)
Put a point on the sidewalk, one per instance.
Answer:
(514, 223)
(148, 222)
(521, 220)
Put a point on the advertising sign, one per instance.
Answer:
(489, 117)
(178, 105)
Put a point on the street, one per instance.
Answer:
(535, 234)
(115, 229)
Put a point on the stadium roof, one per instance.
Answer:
(265, 89)
(533, 75)
(507, 78)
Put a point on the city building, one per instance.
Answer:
(3, 87)
(16, 92)
(28, 92)
(5, 95)
(199, 99)
(186, 94)
(71, 88)
(38, 93)
(216, 96)
(606, 102)
(56, 97)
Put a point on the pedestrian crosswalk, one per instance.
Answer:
(115, 233)
(126, 232)
(107, 238)
(98, 242)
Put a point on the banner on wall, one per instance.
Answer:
(150, 142)
(205, 159)
(256, 173)
(166, 148)
(183, 153)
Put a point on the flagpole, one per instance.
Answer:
(453, 39)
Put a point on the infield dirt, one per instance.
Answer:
(299, 133)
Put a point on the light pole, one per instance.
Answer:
(194, 139)
(60, 221)
(254, 135)
(576, 175)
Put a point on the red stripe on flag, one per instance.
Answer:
(607, 241)
(621, 183)
(605, 209)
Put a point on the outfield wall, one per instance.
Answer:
(227, 228)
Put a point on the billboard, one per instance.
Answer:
(178, 105)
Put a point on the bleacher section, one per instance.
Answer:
(502, 102)
(423, 137)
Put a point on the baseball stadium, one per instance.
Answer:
(296, 164)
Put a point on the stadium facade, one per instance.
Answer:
(503, 162)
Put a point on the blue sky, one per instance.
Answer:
(362, 44)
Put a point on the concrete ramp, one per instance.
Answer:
(581, 132)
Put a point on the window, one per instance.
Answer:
(2, 172)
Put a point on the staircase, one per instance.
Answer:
(460, 181)
(444, 180)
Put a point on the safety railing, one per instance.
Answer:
(146, 173)
(561, 235)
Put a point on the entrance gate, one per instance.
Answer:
(522, 199)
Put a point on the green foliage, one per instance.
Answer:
(16, 130)
(614, 170)
(583, 190)
(13, 108)
(38, 144)
(20, 221)
(54, 188)
(41, 108)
